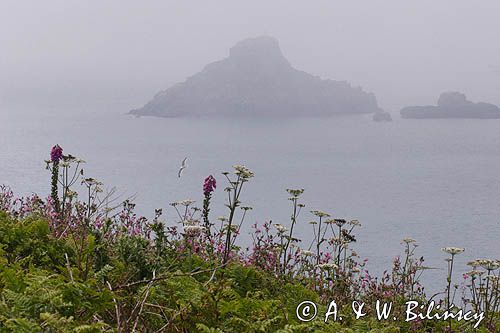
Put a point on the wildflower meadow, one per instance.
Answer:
(82, 260)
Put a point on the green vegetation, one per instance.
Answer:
(84, 265)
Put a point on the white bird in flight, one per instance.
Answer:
(183, 166)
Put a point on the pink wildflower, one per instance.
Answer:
(56, 153)
(209, 185)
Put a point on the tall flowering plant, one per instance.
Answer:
(209, 186)
(241, 175)
(56, 155)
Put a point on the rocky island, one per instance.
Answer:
(382, 116)
(256, 79)
(453, 105)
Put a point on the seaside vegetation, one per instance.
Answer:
(81, 260)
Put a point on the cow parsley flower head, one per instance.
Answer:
(474, 273)
(280, 227)
(355, 223)
(339, 222)
(193, 230)
(295, 193)
(489, 264)
(242, 171)
(453, 250)
(186, 202)
(307, 253)
(409, 240)
(327, 266)
(319, 213)
(474, 263)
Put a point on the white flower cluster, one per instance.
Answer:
(280, 227)
(355, 223)
(487, 264)
(192, 228)
(185, 203)
(327, 266)
(295, 192)
(453, 250)
(319, 213)
(242, 171)
(307, 253)
(409, 240)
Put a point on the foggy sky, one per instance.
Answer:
(120, 53)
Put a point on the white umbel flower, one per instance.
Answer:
(327, 266)
(453, 250)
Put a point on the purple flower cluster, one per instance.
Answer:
(209, 185)
(56, 153)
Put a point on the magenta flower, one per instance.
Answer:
(56, 153)
(209, 185)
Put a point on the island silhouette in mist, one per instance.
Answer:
(256, 79)
(453, 105)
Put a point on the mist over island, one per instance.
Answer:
(453, 105)
(256, 79)
(282, 179)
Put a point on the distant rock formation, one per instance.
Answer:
(256, 79)
(453, 105)
(382, 116)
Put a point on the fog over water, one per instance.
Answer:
(436, 181)
(69, 71)
(121, 52)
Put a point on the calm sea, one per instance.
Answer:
(437, 181)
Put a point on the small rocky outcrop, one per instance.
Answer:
(453, 105)
(382, 116)
(256, 79)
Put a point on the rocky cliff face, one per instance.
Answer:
(453, 105)
(256, 79)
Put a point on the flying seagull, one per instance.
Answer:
(183, 166)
